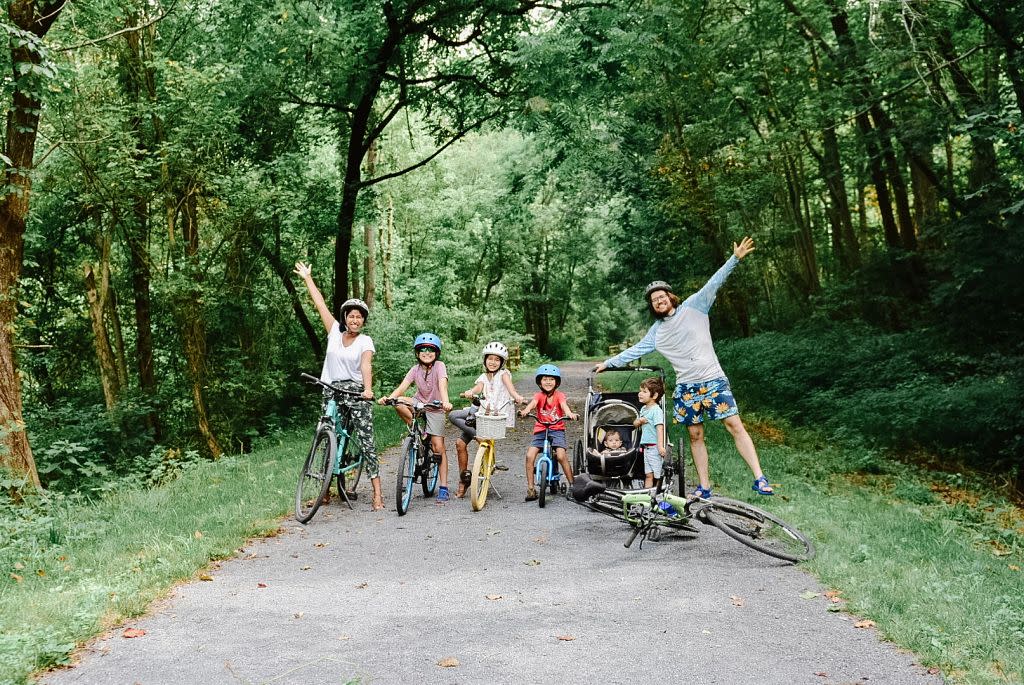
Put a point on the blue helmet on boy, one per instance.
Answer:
(427, 340)
(548, 370)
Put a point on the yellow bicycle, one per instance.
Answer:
(489, 428)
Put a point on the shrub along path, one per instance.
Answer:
(509, 594)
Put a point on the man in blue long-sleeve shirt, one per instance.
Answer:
(682, 333)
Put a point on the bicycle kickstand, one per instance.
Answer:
(344, 496)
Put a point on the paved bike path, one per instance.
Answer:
(511, 594)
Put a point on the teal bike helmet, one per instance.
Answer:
(548, 370)
(427, 340)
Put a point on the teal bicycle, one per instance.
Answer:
(335, 453)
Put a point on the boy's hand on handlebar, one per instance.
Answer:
(640, 421)
(572, 417)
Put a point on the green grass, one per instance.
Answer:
(72, 569)
(931, 559)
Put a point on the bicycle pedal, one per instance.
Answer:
(352, 495)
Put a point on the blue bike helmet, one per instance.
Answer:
(427, 340)
(548, 370)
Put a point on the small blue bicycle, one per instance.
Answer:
(546, 474)
(335, 453)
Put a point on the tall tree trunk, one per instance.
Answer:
(387, 251)
(104, 352)
(140, 87)
(285, 274)
(18, 147)
(193, 324)
(884, 126)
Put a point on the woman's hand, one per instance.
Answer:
(303, 270)
(598, 368)
(368, 394)
(745, 247)
(384, 399)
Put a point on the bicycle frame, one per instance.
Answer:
(423, 457)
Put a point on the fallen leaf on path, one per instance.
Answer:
(17, 578)
(566, 638)
(344, 637)
(205, 576)
(40, 572)
(197, 535)
(736, 601)
(305, 568)
(934, 671)
(540, 540)
(866, 623)
(493, 597)
(532, 562)
(809, 595)
(298, 614)
(448, 662)
(261, 584)
(833, 594)
(133, 632)
(362, 586)
(321, 544)
(18, 566)
(821, 674)
(494, 532)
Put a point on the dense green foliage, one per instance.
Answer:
(501, 170)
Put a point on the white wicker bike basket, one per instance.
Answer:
(490, 427)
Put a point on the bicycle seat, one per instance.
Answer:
(584, 487)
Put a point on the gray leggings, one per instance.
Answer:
(458, 419)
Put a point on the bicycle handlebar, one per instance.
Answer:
(549, 423)
(313, 380)
(409, 402)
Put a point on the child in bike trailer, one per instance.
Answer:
(348, 365)
(652, 428)
(496, 385)
(431, 379)
(550, 404)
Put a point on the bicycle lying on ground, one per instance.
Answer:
(651, 514)
(335, 453)
(419, 463)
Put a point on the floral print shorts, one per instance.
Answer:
(708, 401)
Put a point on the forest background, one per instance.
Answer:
(503, 169)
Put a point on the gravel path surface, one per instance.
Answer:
(511, 594)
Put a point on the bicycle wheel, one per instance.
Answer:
(578, 458)
(679, 464)
(406, 477)
(757, 529)
(352, 467)
(315, 479)
(542, 482)
(431, 462)
(483, 467)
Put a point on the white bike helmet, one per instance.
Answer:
(355, 303)
(497, 349)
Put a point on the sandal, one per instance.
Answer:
(442, 495)
(702, 493)
(762, 487)
(531, 495)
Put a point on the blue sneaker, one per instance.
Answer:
(702, 493)
(442, 495)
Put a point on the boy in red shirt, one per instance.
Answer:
(551, 405)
